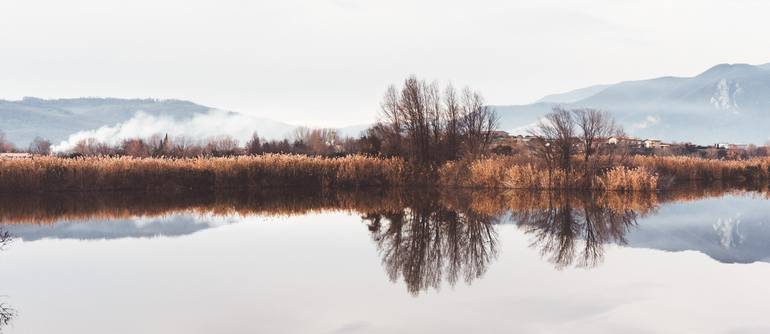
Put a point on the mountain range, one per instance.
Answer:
(60, 120)
(726, 103)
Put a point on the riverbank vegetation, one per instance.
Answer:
(53, 174)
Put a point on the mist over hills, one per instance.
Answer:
(726, 103)
(56, 119)
(65, 121)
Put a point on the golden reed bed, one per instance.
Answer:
(51, 174)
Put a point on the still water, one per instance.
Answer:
(689, 261)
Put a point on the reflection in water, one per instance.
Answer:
(427, 242)
(5, 239)
(6, 312)
(423, 237)
(6, 315)
(575, 227)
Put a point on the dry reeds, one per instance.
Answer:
(158, 174)
(628, 179)
(689, 168)
(50, 174)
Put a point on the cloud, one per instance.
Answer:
(200, 126)
(647, 122)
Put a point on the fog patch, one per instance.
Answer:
(200, 126)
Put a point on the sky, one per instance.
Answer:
(327, 62)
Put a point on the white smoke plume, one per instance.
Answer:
(201, 126)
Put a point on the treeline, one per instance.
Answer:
(320, 142)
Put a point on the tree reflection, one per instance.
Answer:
(6, 312)
(436, 237)
(427, 242)
(573, 228)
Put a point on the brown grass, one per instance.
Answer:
(688, 168)
(158, 174)
(49, 174)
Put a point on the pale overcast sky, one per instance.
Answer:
(327, 62)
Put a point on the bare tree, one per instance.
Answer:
(555, 136)
(429, 127)
(135, 148)
(316, 141)
(5, 144)
(478, 122)
(254, 145)
(221, 146)
(595, 128)
(40, 146)
(453, 122)
(391, 128)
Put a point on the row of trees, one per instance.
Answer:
(38, 145)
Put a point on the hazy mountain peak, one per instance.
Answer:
(730, 70)
(725, 103)
(573, 95)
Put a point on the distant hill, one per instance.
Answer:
(727, 103)
(57, 119)
(573, 96)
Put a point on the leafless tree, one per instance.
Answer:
(186, 147)
(316, 141)
(390, 129)
(5, 144)
(86, 146)
(254, 145)
(40, 146)
(134, 147)
(555, 139)
(221, 146)
(453, 122)
(478, 122)
(428, 126)
(595, 127)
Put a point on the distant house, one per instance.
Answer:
(630, 141)
(15, 156)
(519, 139)
(652, 143)
(498, 135)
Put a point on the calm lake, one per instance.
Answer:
(692, 260)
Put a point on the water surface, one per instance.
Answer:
(386, 261)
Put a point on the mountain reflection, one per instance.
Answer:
(427, 242)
